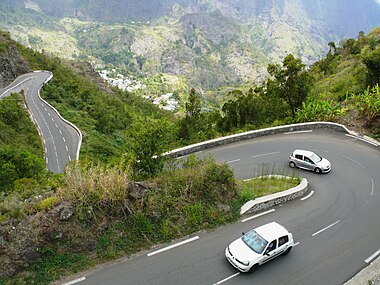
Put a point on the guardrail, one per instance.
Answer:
(255, 134)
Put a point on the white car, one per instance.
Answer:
(309, 160)
(258, 246)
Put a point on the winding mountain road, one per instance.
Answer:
(336, 228)
(62, 140)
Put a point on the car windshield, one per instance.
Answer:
(316, 158)
(254, 241)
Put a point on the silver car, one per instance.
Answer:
(309, 160)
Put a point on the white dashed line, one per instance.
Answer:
(67, 149)
(297, 243)
(60, 132)
(308, 196)
(226, 279)
(173, 246)
(258, 215)
(64, 140)
(373, 186)
(75, 281)
(322, 230)
(49, 114)
(69, 157)
(264, 154)
(364, 140)
(353, 160)
(232, 161)
(56, 126)
(372, 257)
(298, 132)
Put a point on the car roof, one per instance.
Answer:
(303, 152)
(271, 231)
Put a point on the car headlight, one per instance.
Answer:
(245, 263)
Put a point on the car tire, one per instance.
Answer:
(292, 164)
(318, 170)
(287, 251)
(254, 268)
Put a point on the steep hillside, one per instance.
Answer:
(206, 43)
(11, 63)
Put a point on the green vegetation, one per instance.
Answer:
(265, 185)
(124, 136)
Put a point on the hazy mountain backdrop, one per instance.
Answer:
(204, 43)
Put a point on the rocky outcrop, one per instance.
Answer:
(11, 62)
(22, 242)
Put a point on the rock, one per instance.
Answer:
(136, 190)
(66, 213)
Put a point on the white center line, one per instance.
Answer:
(226, 279)
(64, 140)
(354, 161)
(75, 281)
(308, 196)
(264, 154)
(322, 230)
(173, 246)
(258, 215)
(372, 257)
(232, 161)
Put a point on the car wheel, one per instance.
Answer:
(254, 267)
(287, 251)
(292, 164)
(318, 170)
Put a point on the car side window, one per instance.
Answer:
(283, 240)
(308, 160)
(272, 245)
(298, 156)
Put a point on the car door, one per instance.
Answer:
(271, 251)
(298, 159)
(308, 163)
(283, 244)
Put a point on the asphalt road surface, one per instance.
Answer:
(336, 227)
(61, 139)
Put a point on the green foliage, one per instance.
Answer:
(319, 110)
(150, 140)
(291, 82)
(95, 188)
(368, 103)
(372, 61)
(48, 203)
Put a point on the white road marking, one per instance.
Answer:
(67, 149)
(69, 157)
(364, 140)
(75, 281)
(52, 119)
(373, 186)
(372, 257)
(297, 243)
(353, 160)
(298, 132)
(264, 154)
(49, 114)
(308, 196)
(60, 132)
(232, 161)
(322, 230)
(56, 126)
(64, 140)
(9, 89)
(173, 246)
(258, 215)
(226, 279)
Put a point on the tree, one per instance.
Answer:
(291, 82)
(372, 62)
(149, 141)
